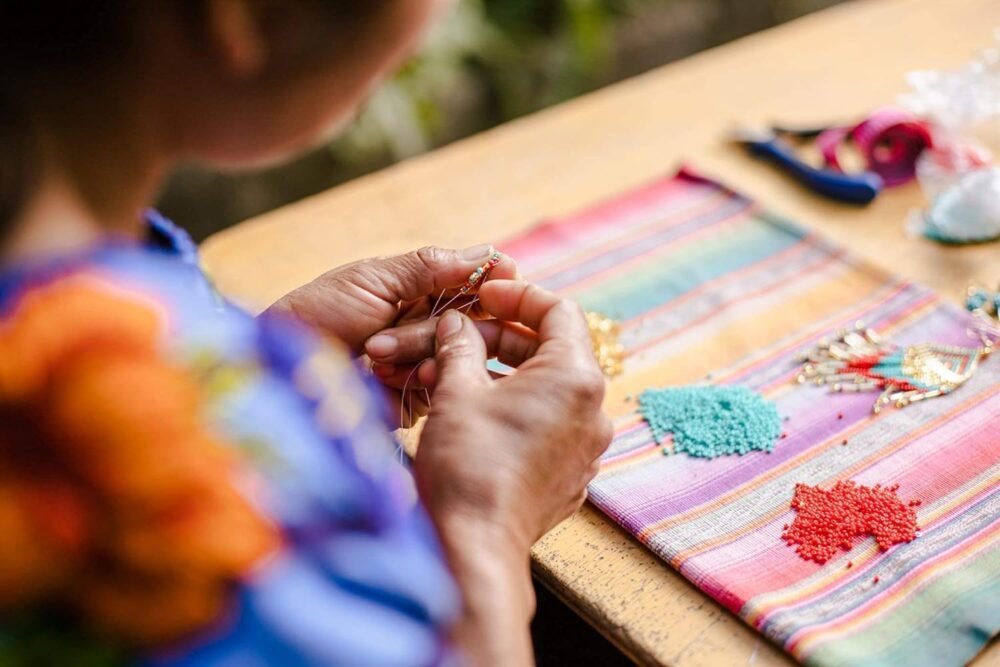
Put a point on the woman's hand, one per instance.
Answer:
(501, 462)
(356, 301)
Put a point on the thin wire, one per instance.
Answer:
(437, 303)
(406, 397)
(467, 307)
(438, 311)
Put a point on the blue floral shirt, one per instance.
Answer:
(359, 579)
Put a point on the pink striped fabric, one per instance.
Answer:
(710, 288)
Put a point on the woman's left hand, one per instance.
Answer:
(357, 301)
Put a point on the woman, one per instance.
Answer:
(182, 483)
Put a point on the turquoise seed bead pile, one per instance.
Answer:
(711, 421)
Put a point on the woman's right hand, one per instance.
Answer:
(502, 461)
(516, 452)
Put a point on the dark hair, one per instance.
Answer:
(18, 168)
(43, 45)
(52, 48)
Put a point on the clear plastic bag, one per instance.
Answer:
(958, 174)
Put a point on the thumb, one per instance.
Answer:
(460, 360)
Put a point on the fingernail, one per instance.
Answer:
(383, 370)
(449, 325)
(381, 345)
(482, 252)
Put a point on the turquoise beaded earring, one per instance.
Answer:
(981, 300)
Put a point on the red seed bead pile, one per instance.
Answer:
(828, 521)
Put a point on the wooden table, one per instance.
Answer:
(837, 64)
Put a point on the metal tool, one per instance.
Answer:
(857, 188)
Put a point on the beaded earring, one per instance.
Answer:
(480, 273)
(610, 353)
(985, 307)
(475, 278)
(861, 360)
(981, 300)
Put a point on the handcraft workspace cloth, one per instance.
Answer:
(710, 288)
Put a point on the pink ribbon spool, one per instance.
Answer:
(890, 140)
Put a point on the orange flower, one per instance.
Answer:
(53, 324)
(151, 611)
(41, 533)
(115, 501)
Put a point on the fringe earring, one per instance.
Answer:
(861, 360)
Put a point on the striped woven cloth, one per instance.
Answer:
(708, 287)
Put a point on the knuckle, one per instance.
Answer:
(588, 386)
(446, 398)
(607, 430)
(575, 311)
(596, 376)
(578, 332)
(531, 293)
(533, 289)
(571, 308)
(457, 347)
(356, 273)
(605, 434)
(521, 419)
(432, 257)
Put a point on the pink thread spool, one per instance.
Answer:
(890, 140)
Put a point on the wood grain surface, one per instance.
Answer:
(834, 65)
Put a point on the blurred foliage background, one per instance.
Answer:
(488, 62)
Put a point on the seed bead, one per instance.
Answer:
(710, 421)
(828, 521)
